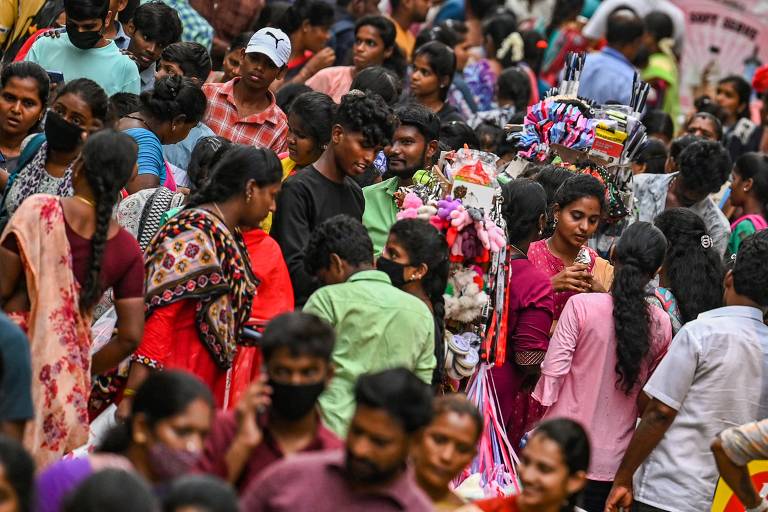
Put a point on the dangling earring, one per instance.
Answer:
(248, 198)
(555, 221)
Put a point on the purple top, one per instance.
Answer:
(318, 478)
(531, 310)
(60, 478)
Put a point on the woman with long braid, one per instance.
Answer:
(199, 281)
(57, 256)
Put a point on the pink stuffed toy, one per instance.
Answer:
(411, 205)
(460, 218)
(491, 236)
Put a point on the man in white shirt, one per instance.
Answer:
(714, 376)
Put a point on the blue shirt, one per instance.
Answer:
(179, 154)
(122, 40)
(106, 66)
(15, 386)
(607, 76)
(150, 152)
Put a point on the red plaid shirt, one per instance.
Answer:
(267, 129)
(229, 17)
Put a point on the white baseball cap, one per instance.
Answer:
(272, 42)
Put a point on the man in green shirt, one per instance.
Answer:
(84, 52)
(377, 325)
(414, 145)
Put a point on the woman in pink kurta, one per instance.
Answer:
(604, 349)
(374, 46)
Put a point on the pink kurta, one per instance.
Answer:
(334, 81)
(579, 379)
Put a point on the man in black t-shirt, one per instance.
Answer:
(363, 125)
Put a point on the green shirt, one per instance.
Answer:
(377, 327)
(106, 66)
(743, 230)
(380, 211)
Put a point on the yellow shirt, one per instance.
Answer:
(288, 168)
(405, 39)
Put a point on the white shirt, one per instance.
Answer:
(716, 376)
(651, 199)
(596, 27)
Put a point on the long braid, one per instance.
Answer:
(108, 159)
(105, 200)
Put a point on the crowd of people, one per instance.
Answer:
(211, 300)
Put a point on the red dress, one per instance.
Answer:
(504, 504)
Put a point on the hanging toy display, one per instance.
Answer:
(599, 140)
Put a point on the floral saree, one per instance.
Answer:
(59, 333)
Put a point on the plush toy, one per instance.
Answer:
(426, 212)
(491, 236)
(410, 207)
(460, 218)
(468, 300)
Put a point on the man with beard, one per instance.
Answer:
(414, 145)
(393, 406)
(608, 74)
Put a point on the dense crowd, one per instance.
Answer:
(239, 270)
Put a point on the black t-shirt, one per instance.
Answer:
(307, 199)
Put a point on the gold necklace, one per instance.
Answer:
(86, 201)
(223, 218)
(517, 249)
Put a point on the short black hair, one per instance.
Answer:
(122, 104)
(26, 69)
(317, 12)
(240, 41)
(192, 58)
(378, 80)
(111, 489)
(577, 187)
(659, 25)
(82, 10)
(421, 118)
(301, 333)
(158, 22)
(653, 155)
(174, 96)
(400, 393)
(679, 144)
(288, 94)
(342, 235)
(455, 134)
(369, 115)
(19, 471)
(624, 27)
(441, 33)
(524, 203)
(200, 492)
(514, 85)
(658, 121)
(750, 273)
(491, 132)
(712, 118)
(704, 166)
(316, 111)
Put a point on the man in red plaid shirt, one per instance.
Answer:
(243, 110)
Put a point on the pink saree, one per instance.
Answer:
(59, 335)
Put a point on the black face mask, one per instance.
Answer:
(294, 401)
(60, 134)
(395, 271)
(83, 40)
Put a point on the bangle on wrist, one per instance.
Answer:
(762, 507)
(129, 392)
